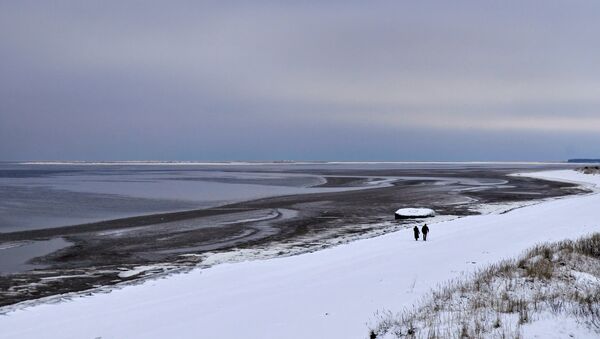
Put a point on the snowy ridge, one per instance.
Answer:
(330, 293)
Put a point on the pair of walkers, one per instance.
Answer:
(424, 230)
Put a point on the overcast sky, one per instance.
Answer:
(310, 80)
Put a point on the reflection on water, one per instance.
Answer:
(38, 196)
(15, 258)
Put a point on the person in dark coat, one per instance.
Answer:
(416, 230)
(425, 230)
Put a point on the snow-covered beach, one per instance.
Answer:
(333, 293)
(322, 205)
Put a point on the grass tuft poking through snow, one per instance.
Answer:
(589, 170)
(550, 281)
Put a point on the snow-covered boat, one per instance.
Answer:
(410, 213)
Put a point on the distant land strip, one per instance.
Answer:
(584, 160)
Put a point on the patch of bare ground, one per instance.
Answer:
(559, 279)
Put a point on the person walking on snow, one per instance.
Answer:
(425, 230)
(416, 230)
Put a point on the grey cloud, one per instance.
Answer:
(147, 79)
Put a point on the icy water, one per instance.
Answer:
(16, 257)
(44, 195)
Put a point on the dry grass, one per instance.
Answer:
(589, 170)
(496, 301)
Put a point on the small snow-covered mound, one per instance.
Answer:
(405, 213)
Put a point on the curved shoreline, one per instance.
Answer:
(340, 183)
(378, 262)
(323, 220)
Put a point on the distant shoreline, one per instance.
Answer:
(275, 162)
